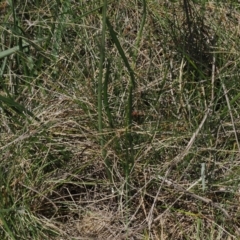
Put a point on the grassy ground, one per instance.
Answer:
(119, 120)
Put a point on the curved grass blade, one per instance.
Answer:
(15, 49)
(129, 151)
(121, 52)
(16, 107)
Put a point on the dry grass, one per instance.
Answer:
(54, 183)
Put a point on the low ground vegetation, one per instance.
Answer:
(119, 121)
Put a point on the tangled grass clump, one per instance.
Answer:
(119, 120)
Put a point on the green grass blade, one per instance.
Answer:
(105, 94)
(7, 229)
(100, 87)
(120, 50)
(129, 151)
(16, 107)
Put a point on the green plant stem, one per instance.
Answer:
(100, 84)
(140, 33)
